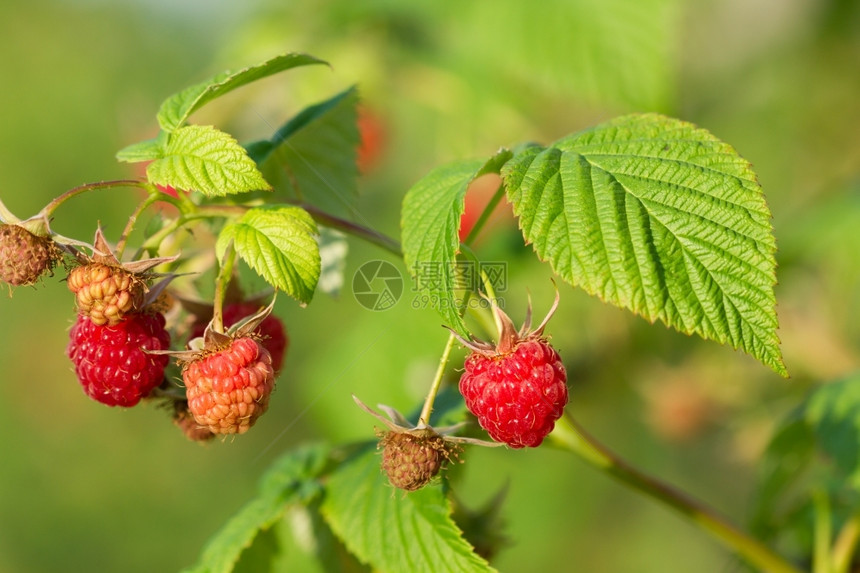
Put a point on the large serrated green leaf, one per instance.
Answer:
(660, 217)
(291, 480)
(430, 223)
(177, 108)
(202, 158)
(280, 244)
(313, 156)
(394, 531)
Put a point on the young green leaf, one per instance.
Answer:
(202, 158)
(393, 531)
(292, 479)
(280, 243)
(430, 223)
(660, 217)
(176, 109)
(313, 156)
(144, 150)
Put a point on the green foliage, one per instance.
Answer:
(202, 158)
(144, 150)
(279, 242)
(430, 223)
(290, 480)
(394, 531)
(300, 541)
(660, 217)
(313, 156)
(816, 448)
(176, 109)
(286, 527)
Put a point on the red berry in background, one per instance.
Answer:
(517, 389)
(229, 389)
(271, 331)
(24, 257)
(372, 139)
(478, 197)
(111, 362)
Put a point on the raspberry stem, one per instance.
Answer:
(373, 237)
(129, 227)
(49, 209)
(424, 418)
(572, 437)
(225, 274)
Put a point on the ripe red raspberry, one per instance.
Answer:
(24, 257)
(110, 360)
(104, 293)
(518, 389)
(229, 389)
(412, 459)
(271, 331)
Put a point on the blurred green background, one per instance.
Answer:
(87, 488)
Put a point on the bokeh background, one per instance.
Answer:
(87, 488)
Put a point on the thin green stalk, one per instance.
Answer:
(152, 243)
(225, 275)
(823, 533)
(132, 220)
(845, 545)
(424, 418)
(571, 436)
(485, 215)
(48, 210)
(360, 231)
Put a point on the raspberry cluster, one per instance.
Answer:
(119, 344)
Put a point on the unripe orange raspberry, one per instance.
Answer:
(229, 389)
(105, 293)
